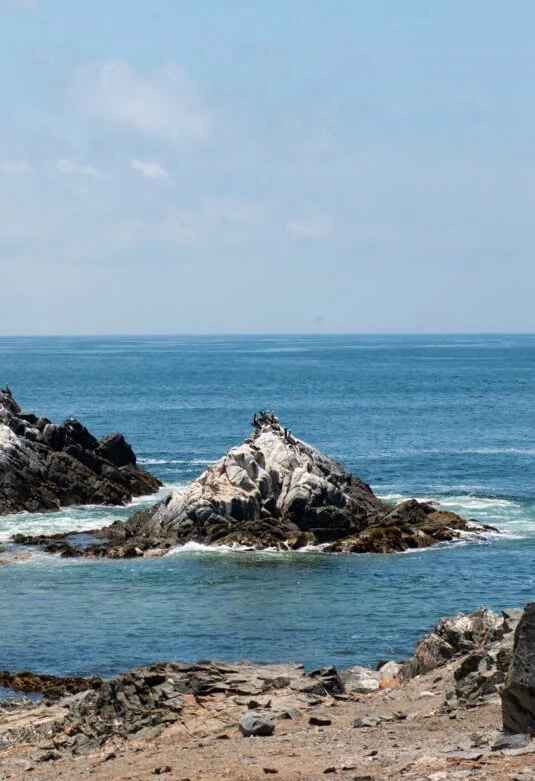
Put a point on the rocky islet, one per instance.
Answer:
(276, 491)
(44, 466)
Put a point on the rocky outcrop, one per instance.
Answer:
(277, 491)
(145, 700)
(481, 646)
(44, 466)
(518, 695)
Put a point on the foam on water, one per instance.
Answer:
(513, 518)
(76, 517)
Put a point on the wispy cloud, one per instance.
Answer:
(163, 103)
(317, 228)
(72, 167)
(150, 169)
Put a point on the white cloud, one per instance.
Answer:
(15, 166)
(317, 228)
(150, 169)
(70, 167)
(162, 103)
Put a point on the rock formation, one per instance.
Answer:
(480, 644)
(518, 696)
(44, 466)
(275, 490)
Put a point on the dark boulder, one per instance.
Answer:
(44, 466)
(518, 695)
(115, 448)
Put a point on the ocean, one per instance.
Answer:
(444, 418)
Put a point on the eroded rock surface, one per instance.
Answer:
(275, 490)
(44, 466)
(518, 696)
(480, 644)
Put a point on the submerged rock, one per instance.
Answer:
(44, 466)
(277, 491)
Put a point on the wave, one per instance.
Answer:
(199, 547)
(77, 517)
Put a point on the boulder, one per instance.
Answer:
(518, 695)
(254, 724)
(460, 634)
(275, 490)
(44, 466)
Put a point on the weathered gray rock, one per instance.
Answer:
(44, 466)
(453, 636)
(360, 680)
(254, 724)
(275, 490)
(512, 742)
(518, 695)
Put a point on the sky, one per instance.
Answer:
(267, 166)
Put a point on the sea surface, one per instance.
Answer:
(443, 418)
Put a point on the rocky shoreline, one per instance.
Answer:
(45, 466)
(272, 491)
(436, 713)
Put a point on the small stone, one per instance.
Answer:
(319, 721)
(511, 741)
(371, 720)
(425, 694)
(159, 771)
(47, 756)
(253, 724)
(270, 770)
(331, 769)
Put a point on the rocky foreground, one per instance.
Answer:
(438, 716)
(44, 466)
(276, 491)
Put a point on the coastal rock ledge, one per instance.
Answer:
(276, 491)
(44, 466)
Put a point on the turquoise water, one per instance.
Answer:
(447, 418)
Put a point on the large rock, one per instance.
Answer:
(455, 636)
(44, 466)
(518, 695)
(275, 490)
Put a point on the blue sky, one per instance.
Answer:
(282, 166)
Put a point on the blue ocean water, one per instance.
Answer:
(448, 418)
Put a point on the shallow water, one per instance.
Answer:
(444, 418)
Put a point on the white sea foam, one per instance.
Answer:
(76, 517)
(513, 518)
(198, 547)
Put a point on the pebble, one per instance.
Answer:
(319, 721)
(371, 720)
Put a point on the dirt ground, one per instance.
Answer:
(417, 738)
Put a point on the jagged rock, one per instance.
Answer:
(460, 634)
(275, 490)
(44, 466)
(518, 695)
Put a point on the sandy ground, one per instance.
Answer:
(417, 739)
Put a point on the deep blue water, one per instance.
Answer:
(450, 418)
